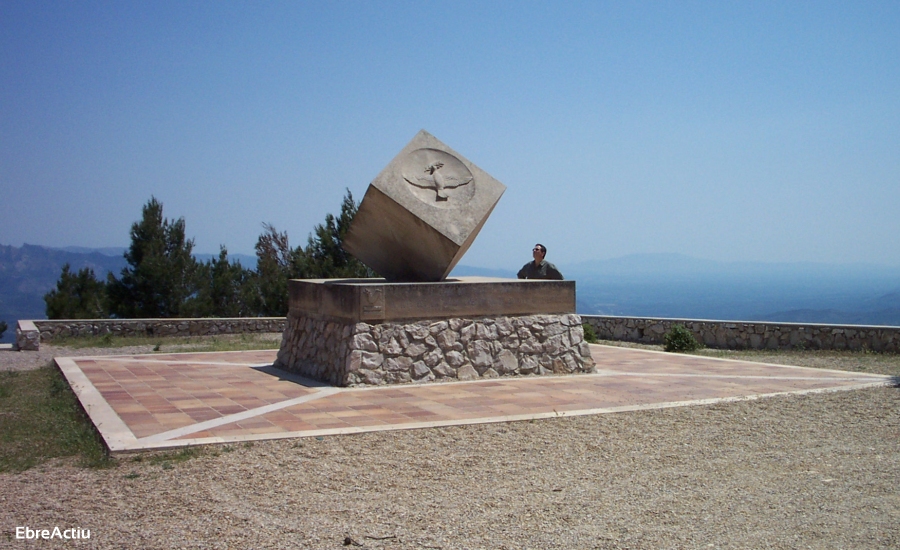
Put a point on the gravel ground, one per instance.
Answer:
(27, 360)
(813, 471)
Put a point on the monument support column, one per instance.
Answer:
(366, 331)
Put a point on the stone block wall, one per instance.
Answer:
(29, 334)
(28, 337)
(346, 353)
(714, 334)
(750, 335)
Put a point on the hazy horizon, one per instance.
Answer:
(652, 285)
(118, 250)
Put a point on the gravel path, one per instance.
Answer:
(26, 360)
(816, 471)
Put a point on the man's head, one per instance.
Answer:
(538, 252)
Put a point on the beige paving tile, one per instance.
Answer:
(176, 399)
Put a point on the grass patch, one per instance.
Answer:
(174, 457)
(166, 460)
(40, 419)
(174, 344)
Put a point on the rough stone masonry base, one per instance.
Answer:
(347, 353)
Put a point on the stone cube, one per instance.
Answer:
(422, 212)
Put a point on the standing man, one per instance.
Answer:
(539, 268)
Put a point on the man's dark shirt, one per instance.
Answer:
(545, 270)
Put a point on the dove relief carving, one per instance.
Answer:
(438, 178)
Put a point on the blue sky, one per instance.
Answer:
(764, 131)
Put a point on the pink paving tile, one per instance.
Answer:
(225, 410)
(203, 414)
(200, 397)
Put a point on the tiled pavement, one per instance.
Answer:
(173, 400)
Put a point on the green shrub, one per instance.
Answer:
(590, 335)
(680, 339)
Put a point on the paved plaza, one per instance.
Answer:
(163, 401)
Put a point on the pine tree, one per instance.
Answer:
(325, 257)
(276, 262)
(160, 278)
(77, 296)
(223, 288)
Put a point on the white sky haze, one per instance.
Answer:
(765, 131)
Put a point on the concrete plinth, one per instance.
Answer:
(369, 331)
(378, 300)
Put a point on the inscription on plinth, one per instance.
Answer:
(371, 303)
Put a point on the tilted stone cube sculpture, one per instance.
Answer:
(422, 212)
(416, 220)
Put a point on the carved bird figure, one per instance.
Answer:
(437, 180)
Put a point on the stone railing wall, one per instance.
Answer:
(750, 334)
(29, 334)
(28, 337)
(348, 353)
(714, 334)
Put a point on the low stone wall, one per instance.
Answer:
(29, 334)
(714, 334)
(750, 335)
(28, 337)
(347, 353)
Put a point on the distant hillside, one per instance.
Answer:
(29, 272)
(881, 310)
(107, 251)
(887, 317)
(245, 260)
(679, 286)
(679, 267)
(673, 285)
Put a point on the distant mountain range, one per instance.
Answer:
(673, 285)
(29, 272)
(243, 259)
(646, 285)
(678, 286)
(108, 251)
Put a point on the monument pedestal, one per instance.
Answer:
(368, 331)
